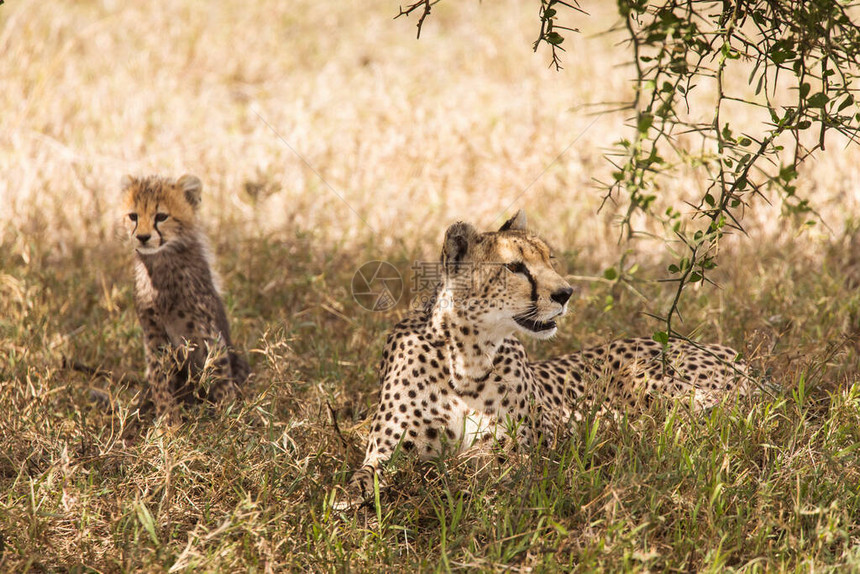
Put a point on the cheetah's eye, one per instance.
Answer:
(133, 217)
(159, 217)
(518, 267)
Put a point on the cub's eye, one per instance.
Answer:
(133, 217)
(517, 267)
(159, 217)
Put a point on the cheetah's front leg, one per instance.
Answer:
(218, 370)
(161, 367)
(361, 487)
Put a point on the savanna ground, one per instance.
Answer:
(382, 141)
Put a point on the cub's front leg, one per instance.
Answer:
(219, 379)
(161, 365)
(205, 357)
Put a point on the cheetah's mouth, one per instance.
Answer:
(535, 326)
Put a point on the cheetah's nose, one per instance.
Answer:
(562, 295)
(143, 237)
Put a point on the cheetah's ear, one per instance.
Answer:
(191, 187)
(458, 241)
(126, 182)
(517, 222)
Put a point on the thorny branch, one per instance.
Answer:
(426, 5)
(806, 48)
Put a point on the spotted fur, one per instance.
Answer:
(189, 354)
(455, 378)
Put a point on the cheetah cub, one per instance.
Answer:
(189, 355)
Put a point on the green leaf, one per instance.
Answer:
(561, 529)
(847, 102)
(818, 100)
(611, 274)
(804, 89)
(145, 518)
(695, 277)
(709, 199)
(787, 173)
(645, 123)
(744, 141)
(554, 38)
(661, 337)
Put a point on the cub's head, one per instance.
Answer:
(503, 279)
(159, 212)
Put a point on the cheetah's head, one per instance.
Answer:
(503, 279)
(160, 212)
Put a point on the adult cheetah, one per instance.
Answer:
(189, 354)
(454, 378)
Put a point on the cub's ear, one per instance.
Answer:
(126, 182)
(191, 187)
(517, 222)
(458, 242)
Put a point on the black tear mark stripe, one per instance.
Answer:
(155, 226)
(530, 277)
(521, 268)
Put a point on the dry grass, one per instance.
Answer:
(384, 141)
